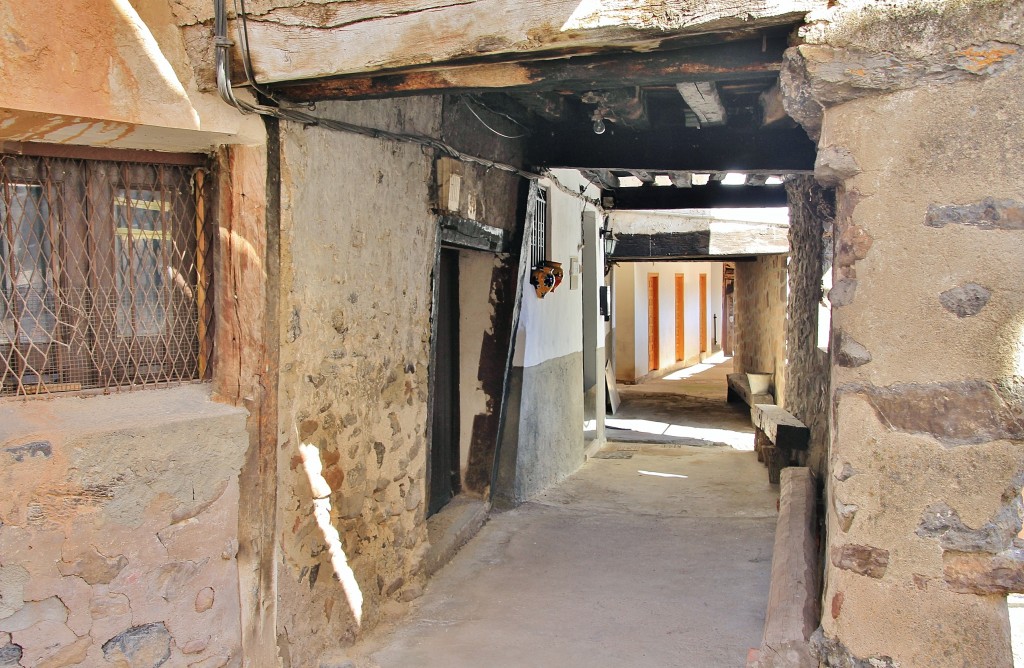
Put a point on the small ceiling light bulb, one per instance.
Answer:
(599, 127)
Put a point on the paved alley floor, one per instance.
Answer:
(651, 555)
(686, 407)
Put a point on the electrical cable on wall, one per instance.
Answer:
(222, 46)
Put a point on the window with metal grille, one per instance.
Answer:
(105, 269)
(539, 237)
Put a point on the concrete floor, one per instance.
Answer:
(658, 555)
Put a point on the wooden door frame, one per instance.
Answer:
(653, 322)
(703, 313)
(680, 316)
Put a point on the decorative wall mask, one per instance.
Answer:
(546, 277)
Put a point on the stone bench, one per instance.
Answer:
(778, 434)
(739, 390)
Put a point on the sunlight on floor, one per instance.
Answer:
(734, 439)
(689, 371)
(662, 475)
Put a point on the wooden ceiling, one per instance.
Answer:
(707, 105)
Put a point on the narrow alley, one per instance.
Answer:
(653, 554)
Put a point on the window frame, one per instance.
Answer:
(540, 235)
(82, 228)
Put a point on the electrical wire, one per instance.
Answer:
(476, 100)
(484, 123)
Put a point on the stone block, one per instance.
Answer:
(861, 559)
(146, 646)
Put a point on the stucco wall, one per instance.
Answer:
(926, 459)
(542, 442)
(760, 332)
(118, 529)
(631, 328)
(358, 249)
(808, 368)
(107, 74)
(476, 314)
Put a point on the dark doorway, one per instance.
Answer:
(444, 442)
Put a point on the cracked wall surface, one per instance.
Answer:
(919, 112)
(118, 543)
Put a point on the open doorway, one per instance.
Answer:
(445, 475)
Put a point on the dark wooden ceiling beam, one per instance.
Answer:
(780, 151)
(713, 195)
(728, 61)
(602, 176)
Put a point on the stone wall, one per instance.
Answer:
(811, 214)
(760, 331)
(118, 530)
(358, 248)
(922, 131)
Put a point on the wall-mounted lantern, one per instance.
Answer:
(609, 240)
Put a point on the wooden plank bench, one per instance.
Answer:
(739, 389)
(778, 434)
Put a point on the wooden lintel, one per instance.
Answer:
(716, 241)
(710, 150)
(291, 41)
(729, 61)
(713, 195)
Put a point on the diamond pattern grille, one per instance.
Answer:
(104, 274)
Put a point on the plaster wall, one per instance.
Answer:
(107, 73)
(543, 439)
(760, 331)
(358, 244)
(118, 529)
(632, 340)
(476, 313)
(624, 317)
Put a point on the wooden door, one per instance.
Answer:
(703, 313)
(445, 471)
(680, 320)
(653, 311)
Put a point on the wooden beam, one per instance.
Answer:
(681, 179)
(713, 195)
(644, 176)
(779, 151)
(702, 97)
(602, 176)
(728, 240)
(733, 60)
(322, 39)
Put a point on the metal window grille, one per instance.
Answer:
(105, 274)
(538, 240)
